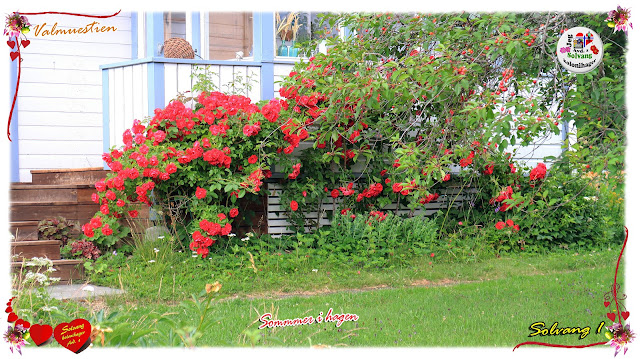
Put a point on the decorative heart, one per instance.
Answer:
(25, 43)
(625, 315)
(8, 310)
(11, 44)
(41, 334)
(611, 316)
(24, 323)
(75, 335)
(12, 317)
(14, 55)
(606, 304)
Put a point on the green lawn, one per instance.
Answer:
(487, 303)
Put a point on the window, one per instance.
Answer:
(296, 27)
(175, 25)
(230, 33)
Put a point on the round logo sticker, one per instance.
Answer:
(580, 50)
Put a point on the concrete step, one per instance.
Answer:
(68, 176)
(51, 193)
(67, 270)
(29, 249)
(24, 230)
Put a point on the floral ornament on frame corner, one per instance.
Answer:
(619, 18)
(16, 26)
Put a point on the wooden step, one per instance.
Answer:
(51, 193)
(67, 270)
(68, 176)
(36, 211)
(24, 230)
(29, 249)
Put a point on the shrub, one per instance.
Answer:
(373, 240)
(395, 112)
(57, 229)
(198, 163)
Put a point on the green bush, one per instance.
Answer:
(582, 217)
(564, 211)
(374, 240)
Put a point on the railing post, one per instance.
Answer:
(263, 50)
(106, 121)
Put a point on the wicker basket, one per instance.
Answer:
(177, 48)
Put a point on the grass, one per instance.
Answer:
(494, 313)
(480, 303)
(429, 302)
(172, 277)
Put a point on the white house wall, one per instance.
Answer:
(60, 97)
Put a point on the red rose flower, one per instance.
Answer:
(253, 159)
(88, 230)
(539, 172)
(133, 213)
(233, 213)
(106, 230)
(500, 225)
(294, 205)
(201, 193)
(335, 193)
(96, 222)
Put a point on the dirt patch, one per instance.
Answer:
(325, 291)
(306, 293)
(428, 283)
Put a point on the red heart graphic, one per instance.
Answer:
(75, 335)
(25, 43)
(12, 317)
(24, 323)
(8, 310)
(41, 334)
(14, 55)
(611, 316)
(11, 44)
(606, 304)
(625, 315)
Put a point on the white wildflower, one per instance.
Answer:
(88, 288)
(245, 239)
(314, 270)
(232, 234)
(39, 261)
(152, 261)
(156, 250)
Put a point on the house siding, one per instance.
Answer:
(60, 97)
